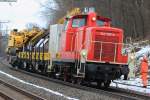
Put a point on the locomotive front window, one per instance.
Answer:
(100, 22)
(78, 22)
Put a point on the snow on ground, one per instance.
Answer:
(132, 84)
(145, 50)
(135, 84)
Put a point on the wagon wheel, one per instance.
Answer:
(20, 64)
(15, 64)
(36, 67)
(24, 65)
(99, 84)
(33, 68)
(30, 67)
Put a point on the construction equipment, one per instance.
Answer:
(73, 12)
(19, 39)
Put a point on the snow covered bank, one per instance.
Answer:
(132, 84)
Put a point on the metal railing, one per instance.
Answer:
(114, 46)
(105, 49)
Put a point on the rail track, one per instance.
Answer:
(11, 92)
(120, 94)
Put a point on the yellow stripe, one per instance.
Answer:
(25, 55)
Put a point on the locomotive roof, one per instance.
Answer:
(99, 17)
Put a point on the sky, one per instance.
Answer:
(22, 12)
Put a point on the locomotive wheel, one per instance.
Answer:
(125, 77)
(103, 84)
(99, 84)
(107, 84)
(73, 80)
(79, 81)
(65, 74)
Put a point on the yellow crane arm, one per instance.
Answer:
(19, 39)
(73, 12)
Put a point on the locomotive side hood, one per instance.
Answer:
(110, 29)
(104, 44)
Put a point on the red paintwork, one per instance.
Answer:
(76, 39)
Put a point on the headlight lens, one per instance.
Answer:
(94, 19)
(84, 53)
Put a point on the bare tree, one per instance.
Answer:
(131, 15)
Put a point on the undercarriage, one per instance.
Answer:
(102, 74)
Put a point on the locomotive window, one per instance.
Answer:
(78, 22)
(100, 22)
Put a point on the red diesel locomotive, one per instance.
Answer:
(90, 50)
(85, 49)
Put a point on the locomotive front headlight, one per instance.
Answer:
(94, 19)
(84, 53)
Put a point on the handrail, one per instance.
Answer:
(101, 43)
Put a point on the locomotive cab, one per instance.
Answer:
(79, 23)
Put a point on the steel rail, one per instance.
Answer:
(121, 94)
(19, 90)
(5, 96)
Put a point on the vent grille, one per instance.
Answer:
(106, 43)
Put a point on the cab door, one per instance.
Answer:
(71, 33)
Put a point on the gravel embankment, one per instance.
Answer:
(48, 90)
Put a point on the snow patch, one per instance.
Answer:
(144, 50)
(132, 84)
